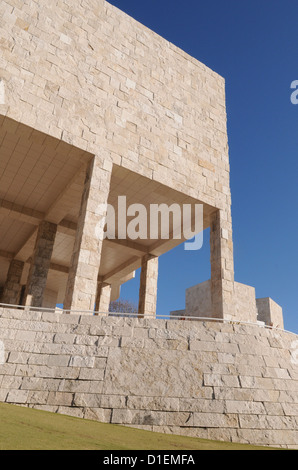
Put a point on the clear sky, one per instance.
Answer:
(254, 46)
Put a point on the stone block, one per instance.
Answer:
(71, 411)
(18, 358)
(89, 400)
(59, 361)
(102, 415)
(132, 342)
(215, 420)
(11, 382)
(74, 386)
(270, 313)
(202, 405)
(63, 338)
(140, 333)
(79, 361)
(113, 401)
(241, 407)
(17, 397)
(91, 374)
(37, 398)
(60, 399)
(153, 403)
(28, 336)
(217, 380)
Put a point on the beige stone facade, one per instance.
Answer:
(97, 106)
(94, 106)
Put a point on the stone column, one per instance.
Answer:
(82, 280)
(103, 298)
(148, 286)
(222, 266)
(40, 265)
(12, 288)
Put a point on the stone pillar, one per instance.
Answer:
(12, 288)
(82, 280)
(103, 298)
(222, 266)
(40, 265)
(148, 286)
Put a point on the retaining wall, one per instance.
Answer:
(223, 381)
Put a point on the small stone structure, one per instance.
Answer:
(248, 309)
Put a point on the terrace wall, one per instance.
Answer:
(215, 380)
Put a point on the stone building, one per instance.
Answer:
(95, 106)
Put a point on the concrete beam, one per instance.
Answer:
(23, 214)
(123, 270)
(68, 199)
(6, 255)
(129, 244)
(53, 266)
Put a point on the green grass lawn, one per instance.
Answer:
(29, 429)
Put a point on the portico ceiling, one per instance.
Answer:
(42, 178)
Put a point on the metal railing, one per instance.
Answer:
(140, 316)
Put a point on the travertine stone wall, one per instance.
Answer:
(211, 380)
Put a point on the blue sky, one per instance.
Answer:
(253, 45)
